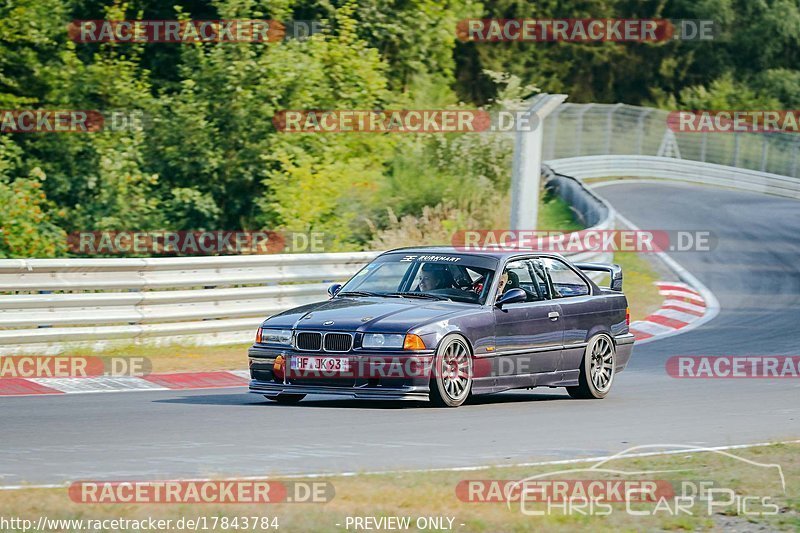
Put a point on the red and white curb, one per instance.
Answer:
(682, 306)
(150, 382)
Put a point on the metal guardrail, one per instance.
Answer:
(589, 209)
(208, 299)
(575, 130)
(677, 169)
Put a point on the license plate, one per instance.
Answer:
(331, 364)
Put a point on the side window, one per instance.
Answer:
(566, 282)
(521, 275)
(518, 273)
(541, 279)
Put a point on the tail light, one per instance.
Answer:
(628, 316)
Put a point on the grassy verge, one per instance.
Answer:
(180, 358)
(433, 494)
(638, 282)
(556, 215)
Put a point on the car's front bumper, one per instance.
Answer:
(372, 380)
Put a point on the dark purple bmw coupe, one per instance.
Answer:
(443, 324)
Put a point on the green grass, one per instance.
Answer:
(638, 283)
(556, 214)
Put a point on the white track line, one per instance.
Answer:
(97, 384)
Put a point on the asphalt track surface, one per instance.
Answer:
(754, 272)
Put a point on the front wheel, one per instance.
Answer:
(451, 382)
(286, 399)
(597, 369)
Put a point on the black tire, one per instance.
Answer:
(593, 382)
(451, 382)
(286, 399)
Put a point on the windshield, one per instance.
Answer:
(455, 277)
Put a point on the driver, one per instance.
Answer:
(508, 280)
(433, 276)
(503, 283)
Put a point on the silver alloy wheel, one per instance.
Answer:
(601, 365)
(451, 379)
(455, 370)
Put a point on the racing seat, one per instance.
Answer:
(513, 283)
(449, 279)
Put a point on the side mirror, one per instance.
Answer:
(333, 289)
(511, 296)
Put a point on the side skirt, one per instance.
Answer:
(561, 378)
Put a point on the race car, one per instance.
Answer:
(440, 324)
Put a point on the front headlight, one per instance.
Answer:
(380, 340)
(280, 337)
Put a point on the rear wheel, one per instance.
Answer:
(597, 369)
(286, 399)
(451, 382)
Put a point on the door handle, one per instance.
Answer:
(553, 315)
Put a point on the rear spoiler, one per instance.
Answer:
(614, 270)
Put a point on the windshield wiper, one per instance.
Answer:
(421, 295)
(359, 293)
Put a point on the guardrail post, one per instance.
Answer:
(610, 126)
(703, 146)
(45, 325)
(553, 133)
(527, 163)
(640, 124)
(579, 129)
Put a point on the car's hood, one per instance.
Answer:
(385, 315)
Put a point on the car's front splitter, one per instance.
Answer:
(361, 393)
